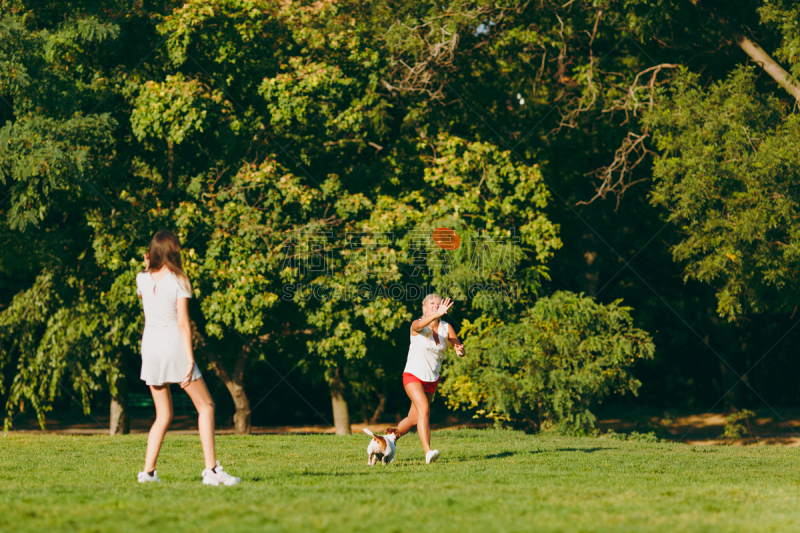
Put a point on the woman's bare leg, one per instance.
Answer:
(163, 402)
(408, 422)
(202, 401)
(418, 415)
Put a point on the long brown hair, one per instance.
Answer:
(165, 250)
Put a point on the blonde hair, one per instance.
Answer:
(428, 298)
(165, 249)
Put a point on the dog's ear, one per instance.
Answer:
(394, 431)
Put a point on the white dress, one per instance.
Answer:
(425, 355)
(163, 356)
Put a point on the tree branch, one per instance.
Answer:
(762, 58)
(769, 65)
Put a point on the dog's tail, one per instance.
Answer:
(368, 432)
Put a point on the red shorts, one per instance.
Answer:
(428, 386)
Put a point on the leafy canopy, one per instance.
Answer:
(729, 176)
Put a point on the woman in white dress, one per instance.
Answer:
(167, 355)
(430, 337)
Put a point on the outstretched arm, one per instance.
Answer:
(186, 336)
(455, 342)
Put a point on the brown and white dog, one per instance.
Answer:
(383, 447)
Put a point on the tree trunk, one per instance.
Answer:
(719, 339)
(170, 161)
(120, 421)
(378, 410)
(731, 388)
(589, 272)
(235, 385)
(769, 65)
(341, 416)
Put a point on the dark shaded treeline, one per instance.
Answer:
(544, 81)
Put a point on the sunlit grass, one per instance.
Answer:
(484, 481)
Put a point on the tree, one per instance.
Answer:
(548, 369)
(53, 159)
(355, 107)
(728, 177)
(324, 109)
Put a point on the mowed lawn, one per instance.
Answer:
(484, 481)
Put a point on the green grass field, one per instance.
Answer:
(484, 481)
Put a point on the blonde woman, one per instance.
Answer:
(429, 339)
(167, 355)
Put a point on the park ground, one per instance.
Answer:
(769, 426)
(486, 480)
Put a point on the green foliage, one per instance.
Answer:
(634, 436)
(546, 370)
(52, 147)
(173, 109)
(729, 176)
(738, 424)
(59, 335)
(43, 161)
(784, 17)
(497, 206)
(56, 331)
(267, 131)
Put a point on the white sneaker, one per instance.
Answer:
(431, 456)
(219, 477)
(144, 477)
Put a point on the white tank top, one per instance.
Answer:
(425, 355)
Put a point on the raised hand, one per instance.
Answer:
(444, 307)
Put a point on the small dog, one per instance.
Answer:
(383, 447)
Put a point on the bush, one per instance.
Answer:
(738, 424)
(545, 371)
(634, 436)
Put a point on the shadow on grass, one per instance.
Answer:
(334, 474)
(507, 453)
(510, 454)
(584, 450)
(501, 455)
